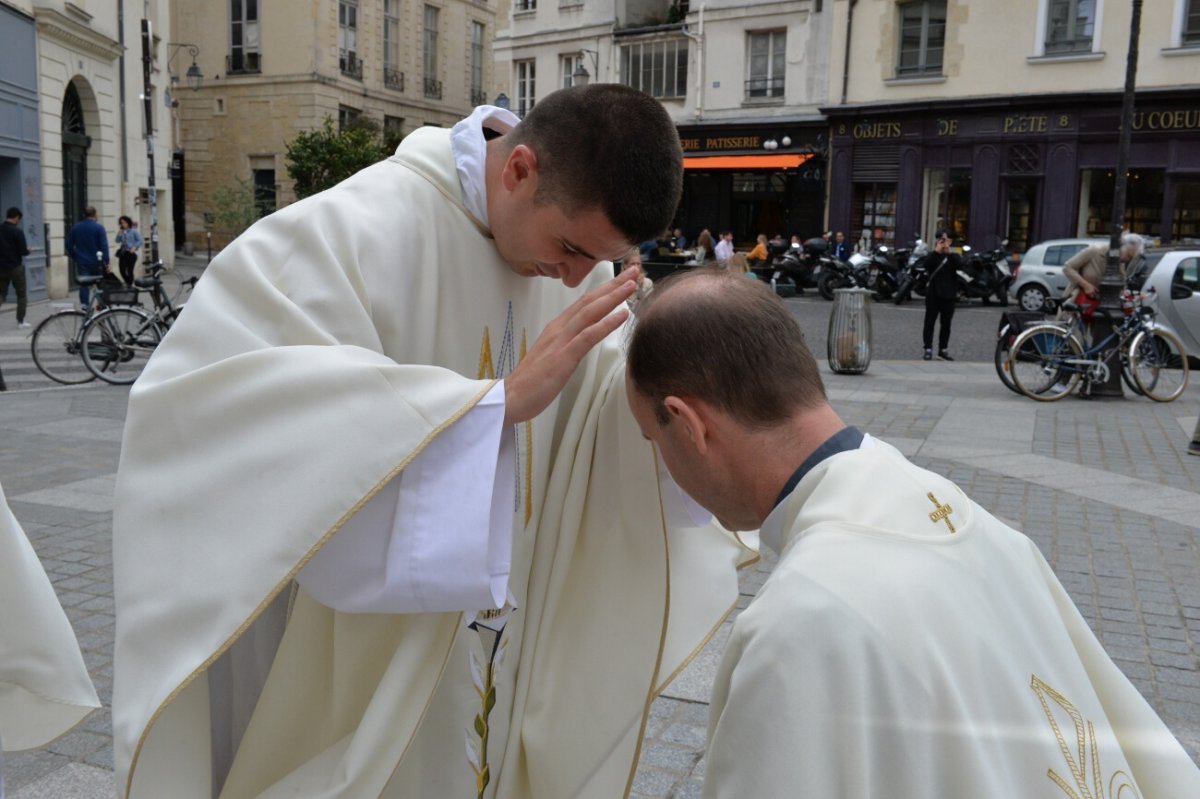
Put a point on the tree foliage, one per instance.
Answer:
(322, 158)
(233, 209)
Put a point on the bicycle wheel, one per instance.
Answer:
(1044, 363)
(1159, 364)
(118, 342)
(55, 347)
(1003, 364)
(1127, 375)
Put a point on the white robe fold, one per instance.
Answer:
(887, 656)
(44, 685)
(321, 352)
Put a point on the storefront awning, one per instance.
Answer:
(788, 161)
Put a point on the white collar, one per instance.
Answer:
(470, 154)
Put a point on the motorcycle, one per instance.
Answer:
(835, 274)
(985, 275)
(880, 272)
(914, 279)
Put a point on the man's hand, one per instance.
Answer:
(1088, 289)
(549, 364)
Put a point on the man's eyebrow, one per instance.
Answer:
(579, 249)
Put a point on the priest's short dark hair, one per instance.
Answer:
(609, 147)
(725, 339)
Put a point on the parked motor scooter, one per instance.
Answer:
(914, 279)
(985, 275)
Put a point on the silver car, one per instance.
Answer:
(1175, 277)
(1040, 274)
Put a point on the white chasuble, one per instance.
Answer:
(44, 686)
(321, 353)
(910, 645)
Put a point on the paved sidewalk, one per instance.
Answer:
(1105, 489)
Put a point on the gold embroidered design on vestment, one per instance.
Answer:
(503, 364)
(1086, 753)
(942, 514)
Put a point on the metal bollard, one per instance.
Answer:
(849, 344)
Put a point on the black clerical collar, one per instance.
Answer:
(847, 438)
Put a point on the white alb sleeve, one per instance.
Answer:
(438, 537)
(679, 509)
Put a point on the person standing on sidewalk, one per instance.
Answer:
(129, 244)
(942, 293)
(13, 249)
(87, 243)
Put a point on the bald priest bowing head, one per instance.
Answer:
(908, 644)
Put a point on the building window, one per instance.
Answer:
(348, 60)
(922, 37)
(265, 199)
(432, 86)
(347, 117)
(568, 64)
(658, 68)
(765, 67)
(525, 5)
(948, 201)
(873, 213)
(477, 94)
(1069, 26)
(393, 131)
(526, 88)
(243, 37)
(1191, 23)
(393, 78)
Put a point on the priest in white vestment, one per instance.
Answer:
(44, 685)
(907, 644)
(415, 545)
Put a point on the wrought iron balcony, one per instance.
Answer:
(393, 78)
(350, 65)
(433, 88)
(243, 63)
(757, 88)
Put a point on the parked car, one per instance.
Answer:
(1175, 277)
(1040, 275)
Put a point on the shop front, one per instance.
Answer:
(753, 178)
(1023, 169)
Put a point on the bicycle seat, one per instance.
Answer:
(88, 280)
(146, 282)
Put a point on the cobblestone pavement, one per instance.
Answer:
(1104, 488)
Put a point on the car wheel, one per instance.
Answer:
(1031, 298)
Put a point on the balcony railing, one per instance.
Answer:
(243, 63)
(393, 78)
(478, 97)
(350, 65)
(757, 88)
(433, 88)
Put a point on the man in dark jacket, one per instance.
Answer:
(87, 244)
(12, 250)
(942, 293)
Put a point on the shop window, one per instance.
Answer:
(1022, 199)
(1143, 201)
(1191, 24)
(658, 68)
(922, 38)
(765, 70)
(1185, 224)
(243, 37)
(526, 86)
(948, 201)
(1069, 26)
(873, 214)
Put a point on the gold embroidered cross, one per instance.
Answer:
(942, 514)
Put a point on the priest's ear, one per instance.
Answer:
(691, 420)
(520, 169)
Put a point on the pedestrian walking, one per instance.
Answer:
(87, 243)
(129, 244)
(942, 267)
(13, 250)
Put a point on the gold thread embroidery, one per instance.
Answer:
(1086, 751)
(485, 357)
(942, 514)
(528, 450)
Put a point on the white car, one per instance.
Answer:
(1175, 277)
(1040, 275)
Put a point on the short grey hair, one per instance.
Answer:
(1138, 243)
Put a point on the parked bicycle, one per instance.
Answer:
(1049, 361)
(57, 342)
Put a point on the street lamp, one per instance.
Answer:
(194, 76)
(581, 76)
(502, 101)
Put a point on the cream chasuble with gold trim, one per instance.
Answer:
(44, 686)
(311, 367)
(909, 645)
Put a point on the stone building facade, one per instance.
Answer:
(275, 68)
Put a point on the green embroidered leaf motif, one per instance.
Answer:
(483, 780)
(490, 701)
(480, 726)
